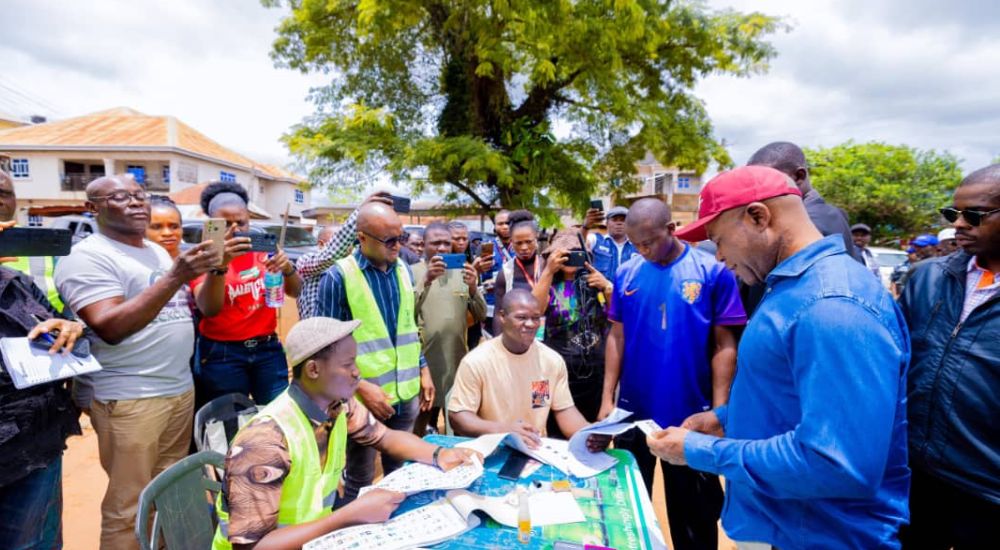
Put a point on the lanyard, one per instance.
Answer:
(504, 251)
(529, 278)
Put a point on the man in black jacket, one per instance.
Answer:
(34, 421)
(952, 306)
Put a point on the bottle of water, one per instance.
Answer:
(274, 289)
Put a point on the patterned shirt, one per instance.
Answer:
(259, 461)
(980, 286)
(312, 266)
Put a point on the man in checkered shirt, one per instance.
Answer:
(312, 266)
(952, 307)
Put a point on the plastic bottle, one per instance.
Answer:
(523, 517)
(274, 289)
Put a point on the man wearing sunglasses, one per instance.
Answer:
(374, 286)
(952, 307)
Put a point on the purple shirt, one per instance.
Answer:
(668, 312)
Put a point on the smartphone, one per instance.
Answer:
(35, 241)
(486, 250)
(214, 229)
(577, 258)
(453, 261)
(597, 204)
(400, 204)
(260, 242)
(512, 468)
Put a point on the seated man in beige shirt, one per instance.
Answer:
(510, 383)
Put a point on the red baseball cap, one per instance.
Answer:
(732, 189)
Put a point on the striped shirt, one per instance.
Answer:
(312, 266)
(332, 299)
(980, 286)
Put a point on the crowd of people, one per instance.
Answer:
(760, 337)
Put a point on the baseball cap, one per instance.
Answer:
(925, 240)
(946, 233)
(732, 189)
(860, 227)
(617, 211)
(313, 334)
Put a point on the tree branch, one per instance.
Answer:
(472, 194)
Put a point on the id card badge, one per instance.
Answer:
(540, 335)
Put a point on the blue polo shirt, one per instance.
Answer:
(815, 448)
(606, 257)
(667, 312)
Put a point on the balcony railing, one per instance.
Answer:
(78, 182)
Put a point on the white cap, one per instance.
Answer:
(946, 233)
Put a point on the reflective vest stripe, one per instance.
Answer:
(394, 368)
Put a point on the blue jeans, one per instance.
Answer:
(31, 510)
(360, 468)
(222, 368)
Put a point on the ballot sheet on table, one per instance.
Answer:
(29, 366)
(416, 477)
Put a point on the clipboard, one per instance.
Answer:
(29, 366)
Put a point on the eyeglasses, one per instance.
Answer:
(391, 242)
(123, 197)
(974, 217)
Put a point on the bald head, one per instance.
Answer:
(648, 212)
(325, 235)
(373, 215)
(378, 225)
(784, 157)
(109, 184)
(988, 177)
(516, 297)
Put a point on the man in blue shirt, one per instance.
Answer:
(614, 249)
(672, 346)
(813, 441)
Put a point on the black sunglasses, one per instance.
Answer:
(974, 217)
(391, 242)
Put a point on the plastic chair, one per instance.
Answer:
(180, 503)
(232, 411)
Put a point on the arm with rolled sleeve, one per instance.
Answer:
(848, 397)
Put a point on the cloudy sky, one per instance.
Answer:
(918, 72)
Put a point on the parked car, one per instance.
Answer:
(888, 259)
(80, 226)
(299, 239)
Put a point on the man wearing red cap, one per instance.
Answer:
(813, 441)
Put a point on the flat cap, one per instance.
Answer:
(313, 334)
(861, 227)
(617, 211)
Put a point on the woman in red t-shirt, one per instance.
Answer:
(238, 349)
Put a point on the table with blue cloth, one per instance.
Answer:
(615, 503)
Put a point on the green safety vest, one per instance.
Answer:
(308, 491)
(394, 368)
(40, 269)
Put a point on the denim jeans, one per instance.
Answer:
(360, 468)
(31, 510)
(232, 367)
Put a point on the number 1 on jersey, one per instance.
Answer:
(663, 311)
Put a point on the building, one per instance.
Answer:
(678, 187)
(11, 121)
(53, 162)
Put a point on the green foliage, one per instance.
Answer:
(459, 96)
(895, 189)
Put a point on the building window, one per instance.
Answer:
(138, 172)
(683, 182)
(166, 174)
(227, 176)
(300, 196)
(34, 220)
(19, 168)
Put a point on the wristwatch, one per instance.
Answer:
(434, 457)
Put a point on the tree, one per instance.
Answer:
(895, 189)
(461, 96)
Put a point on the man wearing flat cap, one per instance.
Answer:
(862, 235)
(613, 249)
(284, 466)
(813, 441)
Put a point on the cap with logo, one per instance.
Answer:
(313, 334)
(733, 189)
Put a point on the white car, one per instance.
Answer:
(888, 259)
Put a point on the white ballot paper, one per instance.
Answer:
(449, 517)
(595, 463)
(29, 366)
(415, 477)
